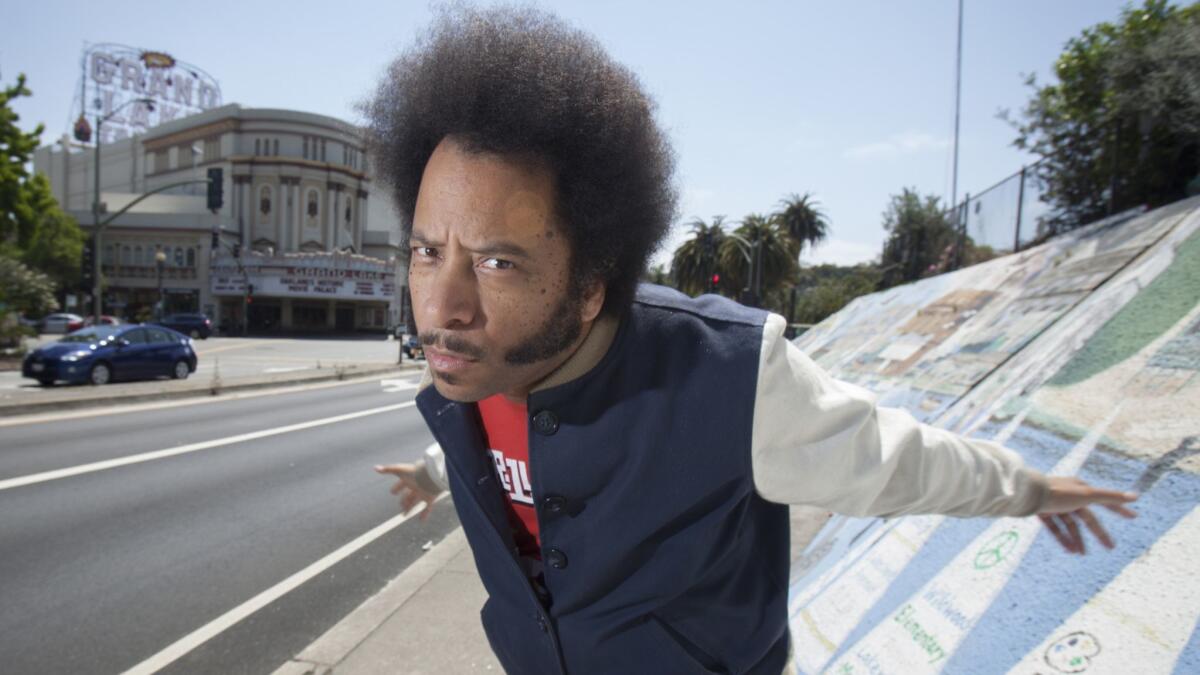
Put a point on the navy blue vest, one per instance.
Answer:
(659, 555)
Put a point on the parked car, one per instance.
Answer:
(197, 326)
(105, 320)
(60, 323)
(102, 354)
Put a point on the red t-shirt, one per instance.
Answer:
(506, 432)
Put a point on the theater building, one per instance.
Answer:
(305, 242)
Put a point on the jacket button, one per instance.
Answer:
(556, 559)
(541, 622)
(554, 503)
(545, 423)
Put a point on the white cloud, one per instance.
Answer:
(898, 144)
(840, 252)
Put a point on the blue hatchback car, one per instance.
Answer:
(102, 354)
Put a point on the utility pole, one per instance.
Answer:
(957, 111)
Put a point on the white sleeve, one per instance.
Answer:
(825, 443)
(431, 470)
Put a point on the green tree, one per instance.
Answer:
(777, 253)
(920, 238)
(25, 291)
(829, 288)
(22, 292)
(697, 259)
(804, 221)
(33, 228)
(1121, 125)
(657, 274)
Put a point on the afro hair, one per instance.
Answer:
(517, 81)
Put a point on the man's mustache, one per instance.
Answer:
(452, 343)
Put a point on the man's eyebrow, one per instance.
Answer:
(497, 248)
(502, 248)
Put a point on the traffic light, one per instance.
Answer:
(216, 189)
(216, 240)
(249, 293)
(87, 264)
(713, 281)
(237, 250)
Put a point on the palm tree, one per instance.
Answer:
(801, 216)
(760, 242)
(698, 259)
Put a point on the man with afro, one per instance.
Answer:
(621, 457)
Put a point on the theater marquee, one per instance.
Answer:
(305, 276)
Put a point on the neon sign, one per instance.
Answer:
(161, 88)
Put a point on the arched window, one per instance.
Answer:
(264, 204)
(191, 257)
(312, 208)
(306, 147)
(126, 256)
(168, 259)
(257, 147)
(137, 256)
(108, 255)
(275, 147)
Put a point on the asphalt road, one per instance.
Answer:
(102, 566)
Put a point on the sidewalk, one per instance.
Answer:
(426, 620)
(62, 398)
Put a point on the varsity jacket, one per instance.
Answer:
(662, 456)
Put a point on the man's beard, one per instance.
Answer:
(556, 333)
(559, 331)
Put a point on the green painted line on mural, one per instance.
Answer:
(1158, 307)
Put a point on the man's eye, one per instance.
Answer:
(497, 264)
(425, 251)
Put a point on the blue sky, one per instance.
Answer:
(851, 101)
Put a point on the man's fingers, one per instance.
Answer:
(1093, 524)
(1052, 524)
(1073, 532)
(1121, 510)
(1114, 497)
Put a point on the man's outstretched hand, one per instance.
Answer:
(408, 488)
(1067, 505)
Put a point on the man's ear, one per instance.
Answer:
(593, 301)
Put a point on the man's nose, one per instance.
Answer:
(453, 299)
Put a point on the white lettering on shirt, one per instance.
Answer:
(514, 477)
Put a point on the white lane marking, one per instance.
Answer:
(220, 624)
(393, 386)
(199, 400)
(191, 447)
(1115, 633)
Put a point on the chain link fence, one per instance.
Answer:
(1007, 216)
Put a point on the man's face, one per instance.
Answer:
(489, 275)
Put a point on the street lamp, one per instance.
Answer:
(100, 120)
(160, 259)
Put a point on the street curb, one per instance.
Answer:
(329, 650)
(197, 391)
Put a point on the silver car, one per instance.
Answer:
(60, 323)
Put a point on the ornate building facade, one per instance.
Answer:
(304, 241)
